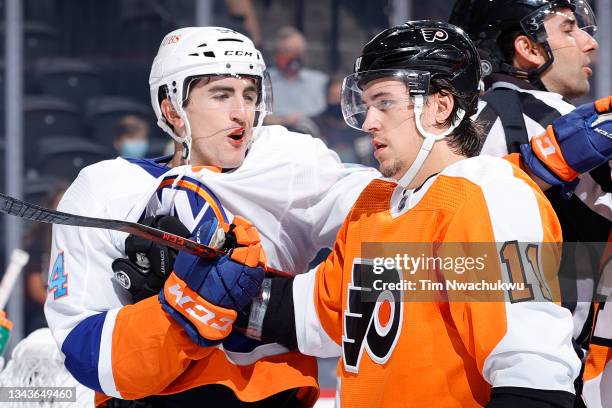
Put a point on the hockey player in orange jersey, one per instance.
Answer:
(413, 89)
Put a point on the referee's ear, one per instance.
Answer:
(527, 54)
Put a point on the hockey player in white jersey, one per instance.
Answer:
(210, 92)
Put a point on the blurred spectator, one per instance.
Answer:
(37, 243)
(352, 145)
(239, 15)
(299, 92)
(132, 137)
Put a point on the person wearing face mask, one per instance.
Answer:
(132, 140)
(299, 92)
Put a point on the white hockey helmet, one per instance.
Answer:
(192, 52)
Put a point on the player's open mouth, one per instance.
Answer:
(237, 136)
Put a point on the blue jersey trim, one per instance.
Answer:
(155, 167)
(82, 351)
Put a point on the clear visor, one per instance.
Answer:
(552, 19)
(384, 93)
(249, 93)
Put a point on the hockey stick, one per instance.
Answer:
(22, 209)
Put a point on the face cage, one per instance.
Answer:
(355, 109)
(533, 24)
(265, 97)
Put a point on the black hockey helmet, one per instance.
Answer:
(487, 21)
(418, 52)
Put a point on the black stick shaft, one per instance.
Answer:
(22, 209)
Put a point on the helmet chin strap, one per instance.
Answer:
(428, 143)
(533, 76)
(185, 140)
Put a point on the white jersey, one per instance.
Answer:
(290, 186)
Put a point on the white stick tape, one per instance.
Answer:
(19, 259)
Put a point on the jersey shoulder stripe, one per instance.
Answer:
(155, 167)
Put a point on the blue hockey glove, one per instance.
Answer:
(205, 295)
(573, 144)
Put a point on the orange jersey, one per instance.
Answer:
(446, 354)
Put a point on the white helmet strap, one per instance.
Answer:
(428, 143)
(183, 140)
(186, 139)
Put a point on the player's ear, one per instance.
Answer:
(444, 103)
(171, 115)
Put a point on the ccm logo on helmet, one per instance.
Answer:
(434, 34)
(239, 53)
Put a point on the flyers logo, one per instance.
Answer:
(434, 34)
(372, 319)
